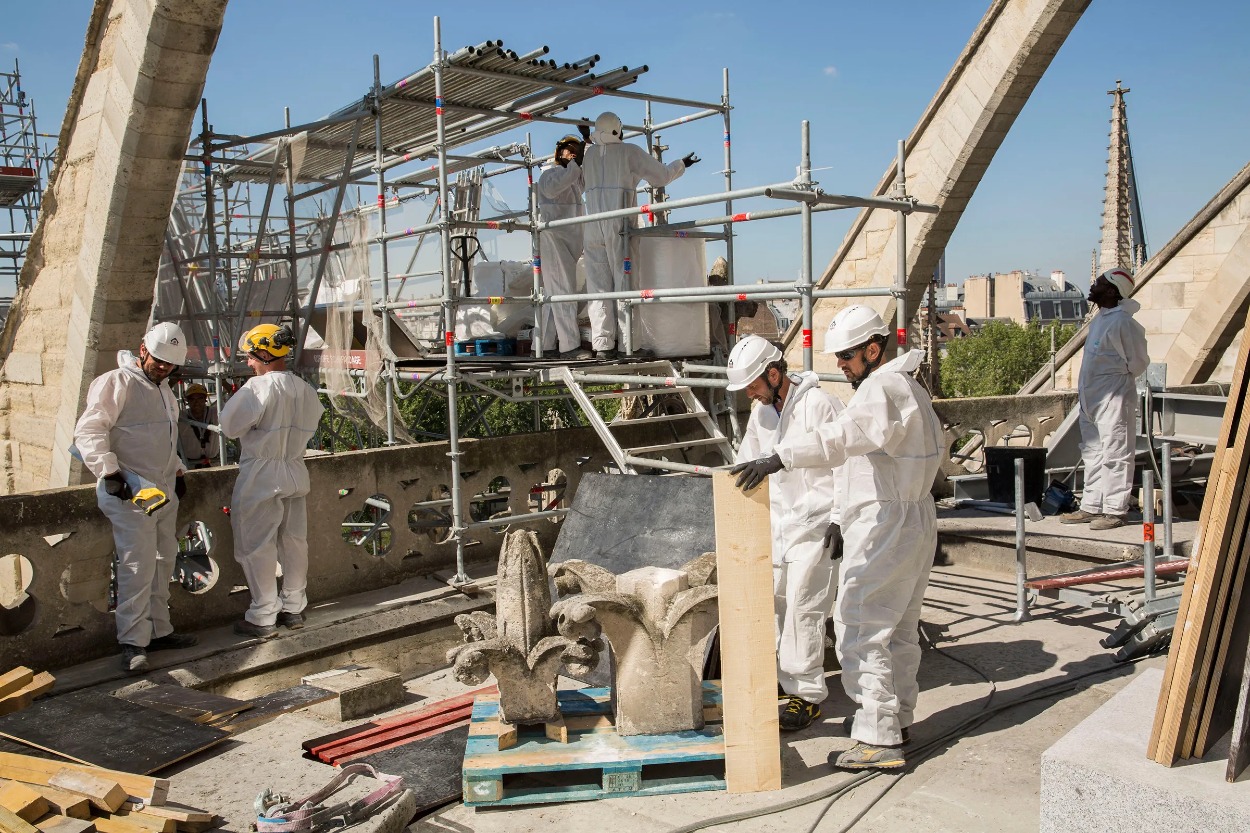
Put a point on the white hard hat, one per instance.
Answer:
(166, 342)
(852, 327)
(607, 128)
(1121, 280)
(749, 359)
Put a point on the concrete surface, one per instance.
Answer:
(1098, 776)
(985, 777)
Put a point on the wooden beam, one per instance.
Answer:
(40, 684)
(39, 770)
(23, 800)
(744, 575)
(64, 803)
(104, 794)
(11, 822)
(12, 680)
(64, 824)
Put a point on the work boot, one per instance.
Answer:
(849, 724)
(134, 659)
(1107, 522)
(581, 354)
(1080, 516)
(173, 640)
(642, 353)
(291, 621)
(246, 628)
(867, 756)
(607, 355)
(798, 714)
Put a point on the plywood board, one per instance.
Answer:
(108, 732)
(748, 643)
(270, 706)
(196, 706)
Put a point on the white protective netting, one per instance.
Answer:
(352, 327)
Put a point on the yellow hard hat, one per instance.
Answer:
(274, 340)
(195, 389)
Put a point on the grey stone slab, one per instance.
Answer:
(1097, 776)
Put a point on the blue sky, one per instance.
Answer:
(861, 73)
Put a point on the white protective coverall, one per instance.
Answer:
(273, 416)
(611, 171)
(559, 198)
(1115, 355)
(131, 425)
(802, 503)
(888, 443)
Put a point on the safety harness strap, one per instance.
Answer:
(308, 814)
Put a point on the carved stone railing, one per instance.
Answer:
(995, 420)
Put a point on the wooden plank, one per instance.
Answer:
(64, 824)
(1232, 640)
(748, 644)
(104, 794)
(23, 800)
(196, 706)
(64, 803)
(146, 820)
(10, 822)
(32, 770)
(181, 815)
(15, 679)
(1183, 681)
(1239, 748)
(39, 685)
(117, 824)
(109, 732)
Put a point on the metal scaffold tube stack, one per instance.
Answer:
(278, 226)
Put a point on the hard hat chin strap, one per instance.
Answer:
(255, 354)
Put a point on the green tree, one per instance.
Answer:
(999, 359)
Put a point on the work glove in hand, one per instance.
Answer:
(689, 159)
(752, 474)
(115, 484)
(180, 486)
(833, 541)
(584, 129)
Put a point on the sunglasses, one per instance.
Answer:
(847, 355)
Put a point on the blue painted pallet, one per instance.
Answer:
(596, 762)
(486, 347)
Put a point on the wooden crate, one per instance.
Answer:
(596, 762)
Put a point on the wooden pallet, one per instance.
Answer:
(595, 762)
(486, 347)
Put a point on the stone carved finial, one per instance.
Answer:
(656, 621)
(519, 644)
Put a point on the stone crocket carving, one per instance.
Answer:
(656, 621)
(519, 644)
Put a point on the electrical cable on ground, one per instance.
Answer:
(834, 792)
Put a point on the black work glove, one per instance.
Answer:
(689, 159)
(833, 541)
(584, 129)
(180, 486)
(752, 474)
(115, 484)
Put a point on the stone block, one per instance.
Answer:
(1098, 776)
(361, 691)
(24, 368)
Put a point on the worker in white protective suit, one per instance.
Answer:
(612, 171)
(197, 443)
(887, 443)
(560, 198)
(1115, 355)
(129, 434)
(273, 416)
(804, 519)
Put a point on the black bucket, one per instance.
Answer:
(1000, 473)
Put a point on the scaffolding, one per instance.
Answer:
(24, 167)
(293, 224)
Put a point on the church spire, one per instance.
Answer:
(1123, 243)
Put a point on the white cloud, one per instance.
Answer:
(831, 71)
(9, 47)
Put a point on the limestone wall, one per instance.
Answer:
(86, 287)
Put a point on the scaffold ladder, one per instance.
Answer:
(646, 379)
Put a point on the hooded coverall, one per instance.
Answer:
(887, 444)
(1115, 355)
(559, 198)
(131, 425)
(802, 503)
(611, 171)
(273, 416)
